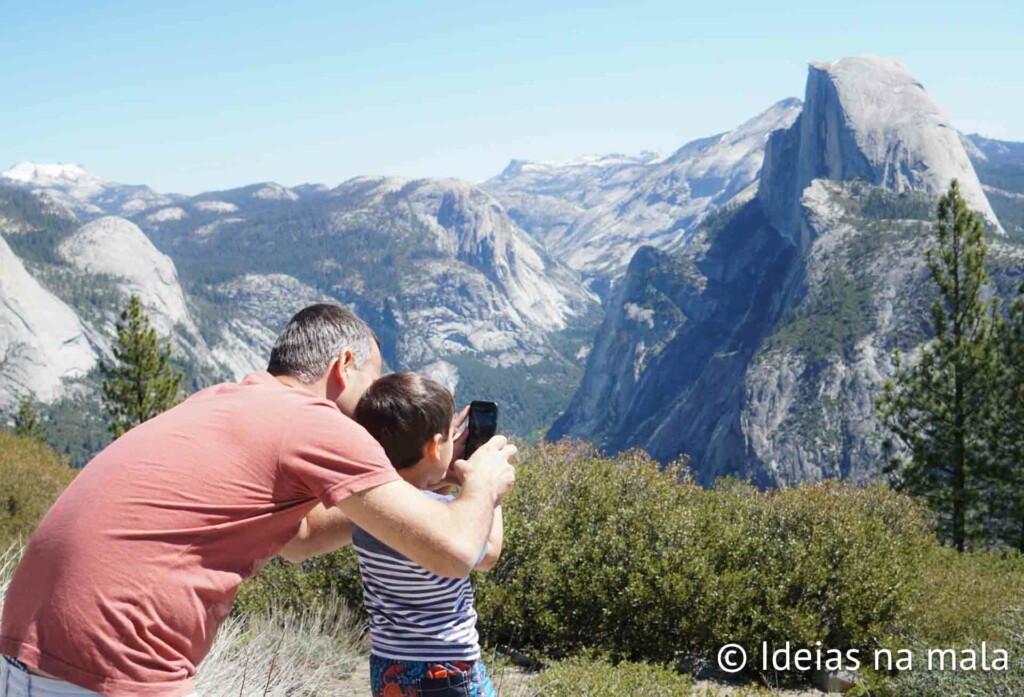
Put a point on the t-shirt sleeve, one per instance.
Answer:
(331, 457)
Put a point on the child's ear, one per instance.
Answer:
(432, 448)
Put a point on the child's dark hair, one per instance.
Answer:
(403, 411)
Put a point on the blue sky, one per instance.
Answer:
(201, 96)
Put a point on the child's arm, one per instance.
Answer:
(494, 542)
(323, 530)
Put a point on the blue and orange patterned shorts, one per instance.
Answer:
(391, 678)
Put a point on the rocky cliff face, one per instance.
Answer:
(759, 347)
(42, 340)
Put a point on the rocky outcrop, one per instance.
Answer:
(709, 308)
(42, 340)
(866, 117)
(260, 306)
(117, 248)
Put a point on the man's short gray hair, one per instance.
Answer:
(314, 337)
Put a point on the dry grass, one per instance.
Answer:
(274, 654)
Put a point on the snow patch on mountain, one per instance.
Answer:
(75, 188)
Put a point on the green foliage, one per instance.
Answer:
(600, 678)
(33, 477)
(965, 596)
(1007, 440)
(877, 203)
(941, 409)
(142, 383)
(41, 231)
(619, 557)
(27, 423)
(295, 586)
(943, 683)
(636, 562)
(829, 324)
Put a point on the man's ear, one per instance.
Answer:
(432, 448)
(345, 362)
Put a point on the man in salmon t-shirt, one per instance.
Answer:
(126, 580)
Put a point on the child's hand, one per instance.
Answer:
(462, 433)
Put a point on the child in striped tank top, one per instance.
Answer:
(422, 626)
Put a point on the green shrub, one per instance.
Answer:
(582, 677)
(33, 477)
(966, 596)
(621, 556)
(296, 586)
(943, 683)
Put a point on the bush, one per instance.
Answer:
(296, 586)
(581, 677)
(942, 683)
(621, 556)
(966, 596)
(33, 477)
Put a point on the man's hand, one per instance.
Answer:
(489, 468)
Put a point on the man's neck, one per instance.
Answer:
(317, 389)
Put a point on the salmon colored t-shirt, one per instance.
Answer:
(126, 580)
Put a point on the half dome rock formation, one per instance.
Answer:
(867, 117)
(759, 346)
(117, 247)
(42, 341)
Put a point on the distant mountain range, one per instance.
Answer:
(690, 286)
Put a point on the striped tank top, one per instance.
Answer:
(414, 615)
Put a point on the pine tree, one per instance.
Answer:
(27, 423)
(941, 409)
(1008, 437)
(142, 382)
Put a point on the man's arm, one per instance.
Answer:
(323, 530)
(494, 543)
(445, 539)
